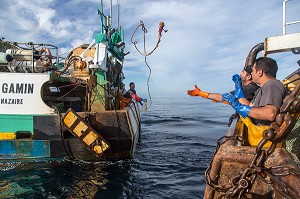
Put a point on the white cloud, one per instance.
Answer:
(206, 42)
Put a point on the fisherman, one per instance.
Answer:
(258, 114)
(120, 91)
(130, 94)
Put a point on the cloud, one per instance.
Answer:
(206, 42)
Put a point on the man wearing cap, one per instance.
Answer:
(248, 86)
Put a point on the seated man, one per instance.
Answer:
(265, 106)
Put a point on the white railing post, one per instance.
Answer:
(284, 17)
(284, 23)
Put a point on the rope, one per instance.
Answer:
(139, 122)
(77, 85)
(148, 81)
(71, 156)
(136, 117)
(145, 54)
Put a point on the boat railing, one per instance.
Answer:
(284, 22)
(28, 57)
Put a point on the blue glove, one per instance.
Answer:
(242, 109)
(238, 93)
(141, 102)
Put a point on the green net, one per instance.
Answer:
(292, 142)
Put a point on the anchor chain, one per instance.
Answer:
(243, 182)
(210, 182)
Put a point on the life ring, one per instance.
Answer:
(46, 59)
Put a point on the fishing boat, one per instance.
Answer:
(238, 170)
(66, 108)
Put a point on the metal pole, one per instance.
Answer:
(284, 17)
(118, 14)
(110, 13)
(101, 16)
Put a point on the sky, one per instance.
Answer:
(206, 42)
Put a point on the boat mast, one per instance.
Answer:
(118, 4)
(110, 13)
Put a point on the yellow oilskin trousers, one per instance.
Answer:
(255, 132)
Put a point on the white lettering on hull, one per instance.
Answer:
(11, 101)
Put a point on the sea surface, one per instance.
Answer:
(177, 142)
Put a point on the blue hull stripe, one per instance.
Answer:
(19, 149)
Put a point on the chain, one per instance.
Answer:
(210, 182)
(283, 170)
(243, 182)
(86, 99)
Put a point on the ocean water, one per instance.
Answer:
(177, 142)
